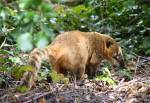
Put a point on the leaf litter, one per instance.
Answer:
(135, 90)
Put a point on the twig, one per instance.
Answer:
(7, 45)
(145, 58)
(119, 84)
(38, 97)
(3, 43)
(74, 81)
(96, 83)
(137, 63)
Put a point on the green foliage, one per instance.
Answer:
(125, 19)
(3, 69)
(106, 77)
(4, 61)
(15, 59)
(22, 88)
(57, 78)
(4, 81)
(19, 71)
(27, 22)
(34, 22)
(126, 73)
(43, 73)
(1, 81)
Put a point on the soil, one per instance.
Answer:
(133, 90)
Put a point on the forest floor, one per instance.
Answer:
(135, 90)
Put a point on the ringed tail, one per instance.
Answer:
(37, 56)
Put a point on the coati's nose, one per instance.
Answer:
(119, 58)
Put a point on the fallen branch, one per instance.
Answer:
(38, 97)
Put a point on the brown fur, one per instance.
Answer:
(76, 52)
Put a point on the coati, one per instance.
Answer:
(75, 52)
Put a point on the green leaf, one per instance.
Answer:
(48, 31)
(28, 16)
(25, 41)
(15, 59)
(126, 73)
(4, 51)
(19, 71)
(28, 4)
(41, 40)
(56, 77)
(4, 69)
(147, 52)
(129, 4)
(46, 7)
(22, 88)
(43, 74)
(106, 77)
(106, 71)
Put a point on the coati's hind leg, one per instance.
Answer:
(28, 79)
(59, 69)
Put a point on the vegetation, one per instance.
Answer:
(35, 22)
(26, 24)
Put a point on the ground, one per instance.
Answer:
(134, 90)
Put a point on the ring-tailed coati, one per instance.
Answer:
(76, 52)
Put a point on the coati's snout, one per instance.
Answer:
(119, 57)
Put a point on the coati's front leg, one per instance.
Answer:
(91, 70)
(92, 65)
(81, 71)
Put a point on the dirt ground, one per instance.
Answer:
(135, 90)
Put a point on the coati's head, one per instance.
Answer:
(113, 51)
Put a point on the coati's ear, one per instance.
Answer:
(109, 42)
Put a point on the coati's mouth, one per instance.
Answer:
(120, 60)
